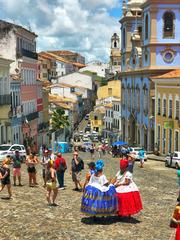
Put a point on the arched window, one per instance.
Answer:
(115, 44)
(147, 27)
(168, 29)
(124, 38)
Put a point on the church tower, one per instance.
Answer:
(115, 57)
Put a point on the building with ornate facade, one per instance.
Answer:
(149, 46)
(19, 44)
(167, 117)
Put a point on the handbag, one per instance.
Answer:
(61, 168)
(172, 224)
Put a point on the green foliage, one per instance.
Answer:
(59, 120)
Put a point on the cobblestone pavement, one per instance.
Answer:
(27, 215)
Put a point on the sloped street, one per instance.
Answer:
(27, 215)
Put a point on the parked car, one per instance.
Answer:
(86, 146)
(95, 139)
(173, 160)
(6, 149)
(135, 151)
(86, 117)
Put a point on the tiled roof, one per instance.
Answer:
(171, 74)
(45, 55)
(58, 98)
(63, 52)
(77, 64)
(58, 58)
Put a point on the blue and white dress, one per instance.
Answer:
(99, 199)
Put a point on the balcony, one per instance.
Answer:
(43, 126)
(27, 53)
(5, 99)
(31, 116)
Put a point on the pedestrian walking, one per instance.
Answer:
(51, 184)
(5, 176)
(175, 221)
(17, 168)
(60, 166)
(77, 165)
(92, 151)
(129, 200)
(45, 159)
(131, 160)
(99, 149)
(99, 197)
(91, 171)
(141, 157)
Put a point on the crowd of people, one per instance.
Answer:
(100, 197)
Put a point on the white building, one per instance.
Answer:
(96, 67)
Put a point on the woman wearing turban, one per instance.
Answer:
(129, 200)
(99, 196)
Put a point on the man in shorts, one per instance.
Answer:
(17, 168)
(77, 165)
(45, 159)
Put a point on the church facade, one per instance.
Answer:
(150, 46)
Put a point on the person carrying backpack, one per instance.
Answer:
(60, 166)
(77, 165)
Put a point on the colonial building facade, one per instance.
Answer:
(149, 46)
(167, 118)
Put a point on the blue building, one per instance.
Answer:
(16, 110)
(150, 45)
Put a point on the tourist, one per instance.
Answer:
(91, 171)
(131, 159)
(60, 166)
(77, 165)
(175, 221)
(99, 149)
(141, 157)
(5, 176)
(129, 200)
(44, 163)
(99, 197)
(92, 151)
(17, 168)
(51, 184)
(52, 156)
(31, 162)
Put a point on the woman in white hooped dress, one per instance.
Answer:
(129, 199)
(99, 197)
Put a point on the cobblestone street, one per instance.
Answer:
(27, 216)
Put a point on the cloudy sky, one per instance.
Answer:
(85, 26)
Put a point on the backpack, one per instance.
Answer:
(81, 163)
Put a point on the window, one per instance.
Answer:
(168, 29)
(159, 106)
(115, 44)
(164, 141)
(170, 108)
(170, 141)
(146, 27)
(176, 141)
(124, 38)
(158, 135)
(164, 107)
(110, 91)
(177, 109)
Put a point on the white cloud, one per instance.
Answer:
(78, 25)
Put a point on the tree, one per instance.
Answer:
(59, 120)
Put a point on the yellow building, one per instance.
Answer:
(167, 108)
(112, 89)
(5, 101)
(97, 119)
